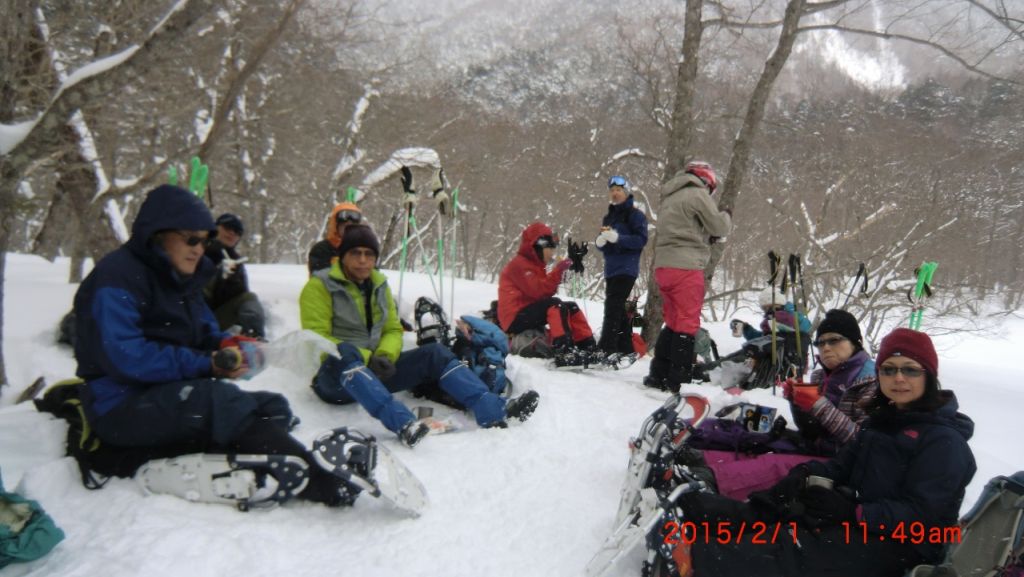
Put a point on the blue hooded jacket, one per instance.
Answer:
(908, 467)
(139, 321)
(623, 257)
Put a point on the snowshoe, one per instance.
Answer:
(397, 485)
(578, 360)
(431, 323)
(245, 481)
(363, 465)
(652, 451)
(643, 525)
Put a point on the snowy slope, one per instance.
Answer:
(536, 499)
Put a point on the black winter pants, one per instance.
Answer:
(616, 332)
(803, 552)
(209, 415)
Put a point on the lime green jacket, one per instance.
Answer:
(333, 307)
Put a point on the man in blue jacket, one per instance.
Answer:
(147, 347)
(622, 239)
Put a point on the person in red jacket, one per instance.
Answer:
(526, 299)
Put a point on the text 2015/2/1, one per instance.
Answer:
(725, 532)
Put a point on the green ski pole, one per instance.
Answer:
(198, 177)
(922, 291)
(454, 244)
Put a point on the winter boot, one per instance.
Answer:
(660, 364)
(680, 361)
(413, 432)
(523, 406)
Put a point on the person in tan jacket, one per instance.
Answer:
(689, 223)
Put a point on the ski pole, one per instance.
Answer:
(774, 261)
(794, 269)
(922, 292)
(861, 271)
(438, 186)
(409, 200)
(454, 244)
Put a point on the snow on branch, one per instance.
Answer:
(13, 135)
(411, 157)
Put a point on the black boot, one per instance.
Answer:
(660, 364)
(681, 361)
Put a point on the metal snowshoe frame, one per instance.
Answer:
(439, 330)
(233, 479)
(652, 452)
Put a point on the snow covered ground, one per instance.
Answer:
(536, 499)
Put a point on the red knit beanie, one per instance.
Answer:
(911, 344)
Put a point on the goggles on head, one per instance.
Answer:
(547, 241)
(618, 181)
(348, 216)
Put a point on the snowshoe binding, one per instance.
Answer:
(363, 465)
(431, 323)
(245, 481)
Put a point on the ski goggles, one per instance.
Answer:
(547, 241)
(348, 216)
(909, 372)
(618, 181)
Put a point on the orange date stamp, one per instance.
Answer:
(726, 532)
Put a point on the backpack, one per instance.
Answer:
(484, 346)
(97, 461)
(788, 361)
(479, 343)
(990, 541)
(27, 533)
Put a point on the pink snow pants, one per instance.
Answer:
(682, 296)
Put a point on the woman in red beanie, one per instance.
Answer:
(873, 510)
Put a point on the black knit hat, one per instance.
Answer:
(231, 222)
(356, 236)
(843, 323)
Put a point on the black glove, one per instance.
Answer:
(407, 180)
(779, 497)
(382, 367)
(576, 253)
(827, 507)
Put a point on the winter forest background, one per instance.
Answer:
(847, 131)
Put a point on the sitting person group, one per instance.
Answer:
(904, 474)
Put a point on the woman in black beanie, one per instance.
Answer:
(828, 410)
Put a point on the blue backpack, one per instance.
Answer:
(484, 346)
(481, 344)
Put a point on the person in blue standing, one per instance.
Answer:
(147, 344)
(351, 305)
(622, 239)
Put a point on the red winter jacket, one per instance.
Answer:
(525, 279)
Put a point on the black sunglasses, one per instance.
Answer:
(192, 239)
(909, 372)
